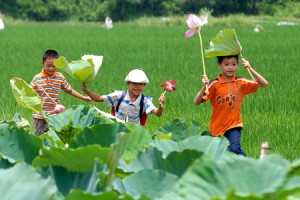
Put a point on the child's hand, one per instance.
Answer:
(205, 80)
(84, 88)
(246, 63)
(161, 99)
(87, 99)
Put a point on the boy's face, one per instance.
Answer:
(135, 89)
(49, 67)
(228, 66)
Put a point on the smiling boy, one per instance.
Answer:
(226, 94)
(48, 83)
(130, 105)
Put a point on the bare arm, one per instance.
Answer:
(92, 95)
(80, 96)
(158, 111)
(262, 82)
(199, 96)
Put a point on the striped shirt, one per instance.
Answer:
(128, 111)
(226, 100)
(46, 87)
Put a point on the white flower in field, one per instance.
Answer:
(96, 60)
(1, 22)
(108, 23)
(258, 28)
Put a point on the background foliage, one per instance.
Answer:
(120, 10)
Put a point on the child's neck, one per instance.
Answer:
(226, 78)
(133, 97)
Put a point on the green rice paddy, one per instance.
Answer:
(271, 114)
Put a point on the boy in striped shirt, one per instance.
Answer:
(226, 94)
(48, 84)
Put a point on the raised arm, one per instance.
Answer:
(262, 82)
(80, 96)
(94, 96)
(199, 96)
(158, 111)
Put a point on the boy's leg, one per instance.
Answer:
(234, 135)
(40, 126)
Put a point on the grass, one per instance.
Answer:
(160, 49)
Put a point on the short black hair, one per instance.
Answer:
(221, 58)
(50, 53)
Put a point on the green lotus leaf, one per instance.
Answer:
(61, 62)
(25, 95)
(84, 70)
(225, 43)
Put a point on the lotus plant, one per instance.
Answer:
(169, 86)
(195, 23)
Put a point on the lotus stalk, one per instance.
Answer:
(195, 23)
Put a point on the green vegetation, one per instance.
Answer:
(124, 10)
(103, 159)
(160, 49)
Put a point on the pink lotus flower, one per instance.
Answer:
(195, 23)
(59, 108)
(169, 85)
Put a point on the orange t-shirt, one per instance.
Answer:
(226, 100)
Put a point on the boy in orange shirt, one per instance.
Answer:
(226, 94)
(48, 83)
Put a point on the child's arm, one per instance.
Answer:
(80, 96)
(92, 95)
(199, 96)
(260, 79)
(158, 111)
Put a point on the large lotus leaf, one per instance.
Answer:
(71, 122)
(109, 134)
(25, 95)
(74, 160)
(67, 181)
(213, 146)
(61, 62)
(80, 195)
(17, 145)
(225, 44)
(21, 182)
(83, 71)
(178, 129)
(235, 177)
(152, 183)
(176, 162)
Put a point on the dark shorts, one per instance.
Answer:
(40, 126)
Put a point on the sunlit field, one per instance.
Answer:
(271, 114)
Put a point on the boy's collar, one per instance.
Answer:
(46, 75)
(136, 102)
(221, 80)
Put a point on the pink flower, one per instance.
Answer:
(194, 23)
(169, 85)
(59, 108)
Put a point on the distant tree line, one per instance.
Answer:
(121, 10)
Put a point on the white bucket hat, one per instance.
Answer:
(137, 76)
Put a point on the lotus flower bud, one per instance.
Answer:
(59, 108)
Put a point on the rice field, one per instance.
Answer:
(271, 114)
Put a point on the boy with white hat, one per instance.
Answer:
(130, 105)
